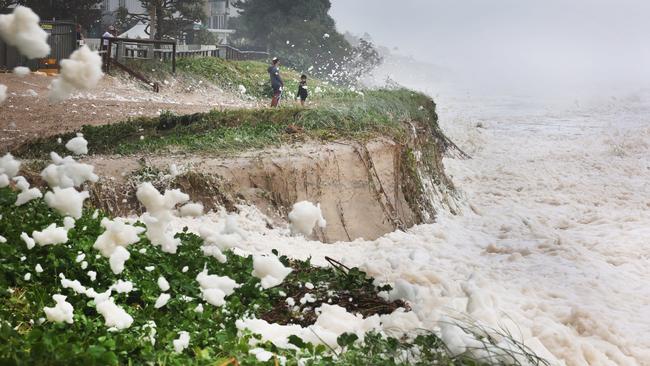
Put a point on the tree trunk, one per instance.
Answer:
(159, 21)
(152, 22)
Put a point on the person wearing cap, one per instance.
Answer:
(276, 81)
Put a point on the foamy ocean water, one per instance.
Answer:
(552, 246)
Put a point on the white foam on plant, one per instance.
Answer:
(77, 145)
(269, 270)
(160, 212)
(68, 222)
(26, 193)
(182, 342)
(117, 259)
(114, 316)
(22, 30)
(9, 167)
(332, 322)
(75, 285)
(214, 289)
(162, 300)
(29, 241)
(67, 201)
(163, 284)
(117, 234)
(61, 312)
(66, 172)
(305, 216)
(51, 235)
(122, 287)
(82, 71)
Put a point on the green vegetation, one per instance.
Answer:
(253, 75)
(349, 115)
(25, 338)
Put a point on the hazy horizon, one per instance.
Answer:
(518, 44)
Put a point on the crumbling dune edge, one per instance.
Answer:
(366, 189)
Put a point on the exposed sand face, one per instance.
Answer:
(552, 245)
(27, 113)
(337, 175)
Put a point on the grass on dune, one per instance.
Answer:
(381, 112)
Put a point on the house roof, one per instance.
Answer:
(137, 31)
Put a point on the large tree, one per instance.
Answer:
(169, 18)
(303, 34)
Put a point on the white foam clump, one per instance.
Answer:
(162, 300)
(82, 71)
(182, 342)
(66, 172)
(67, 201)
(21, 71)
(242, 89)
(51, 235)
(78, 145)
(26, 194)
(270, 270)
(331, 323)
(400, 322)
(261, 354)
(68, 222)
(122, 287)
(75, 285)
(61, 312)
(217, 240)
(117, 234)
(3, 93)
(28, 241)
(9, 168)
(114, 316)
(191, 209)
(21, 29)
(3, 239)
(163, 284)
(215, 288)
(160, 214)
(304, 216)
(118, 258)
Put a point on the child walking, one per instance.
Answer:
(302, 90)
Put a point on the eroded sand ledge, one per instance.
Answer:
(365, 189)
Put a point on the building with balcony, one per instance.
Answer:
(217, 15)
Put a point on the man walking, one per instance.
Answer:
(276, 81)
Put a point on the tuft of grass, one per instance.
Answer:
(378, 112)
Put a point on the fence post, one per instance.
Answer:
(108, 56)
(174, 58)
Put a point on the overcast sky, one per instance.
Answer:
(545, 42)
